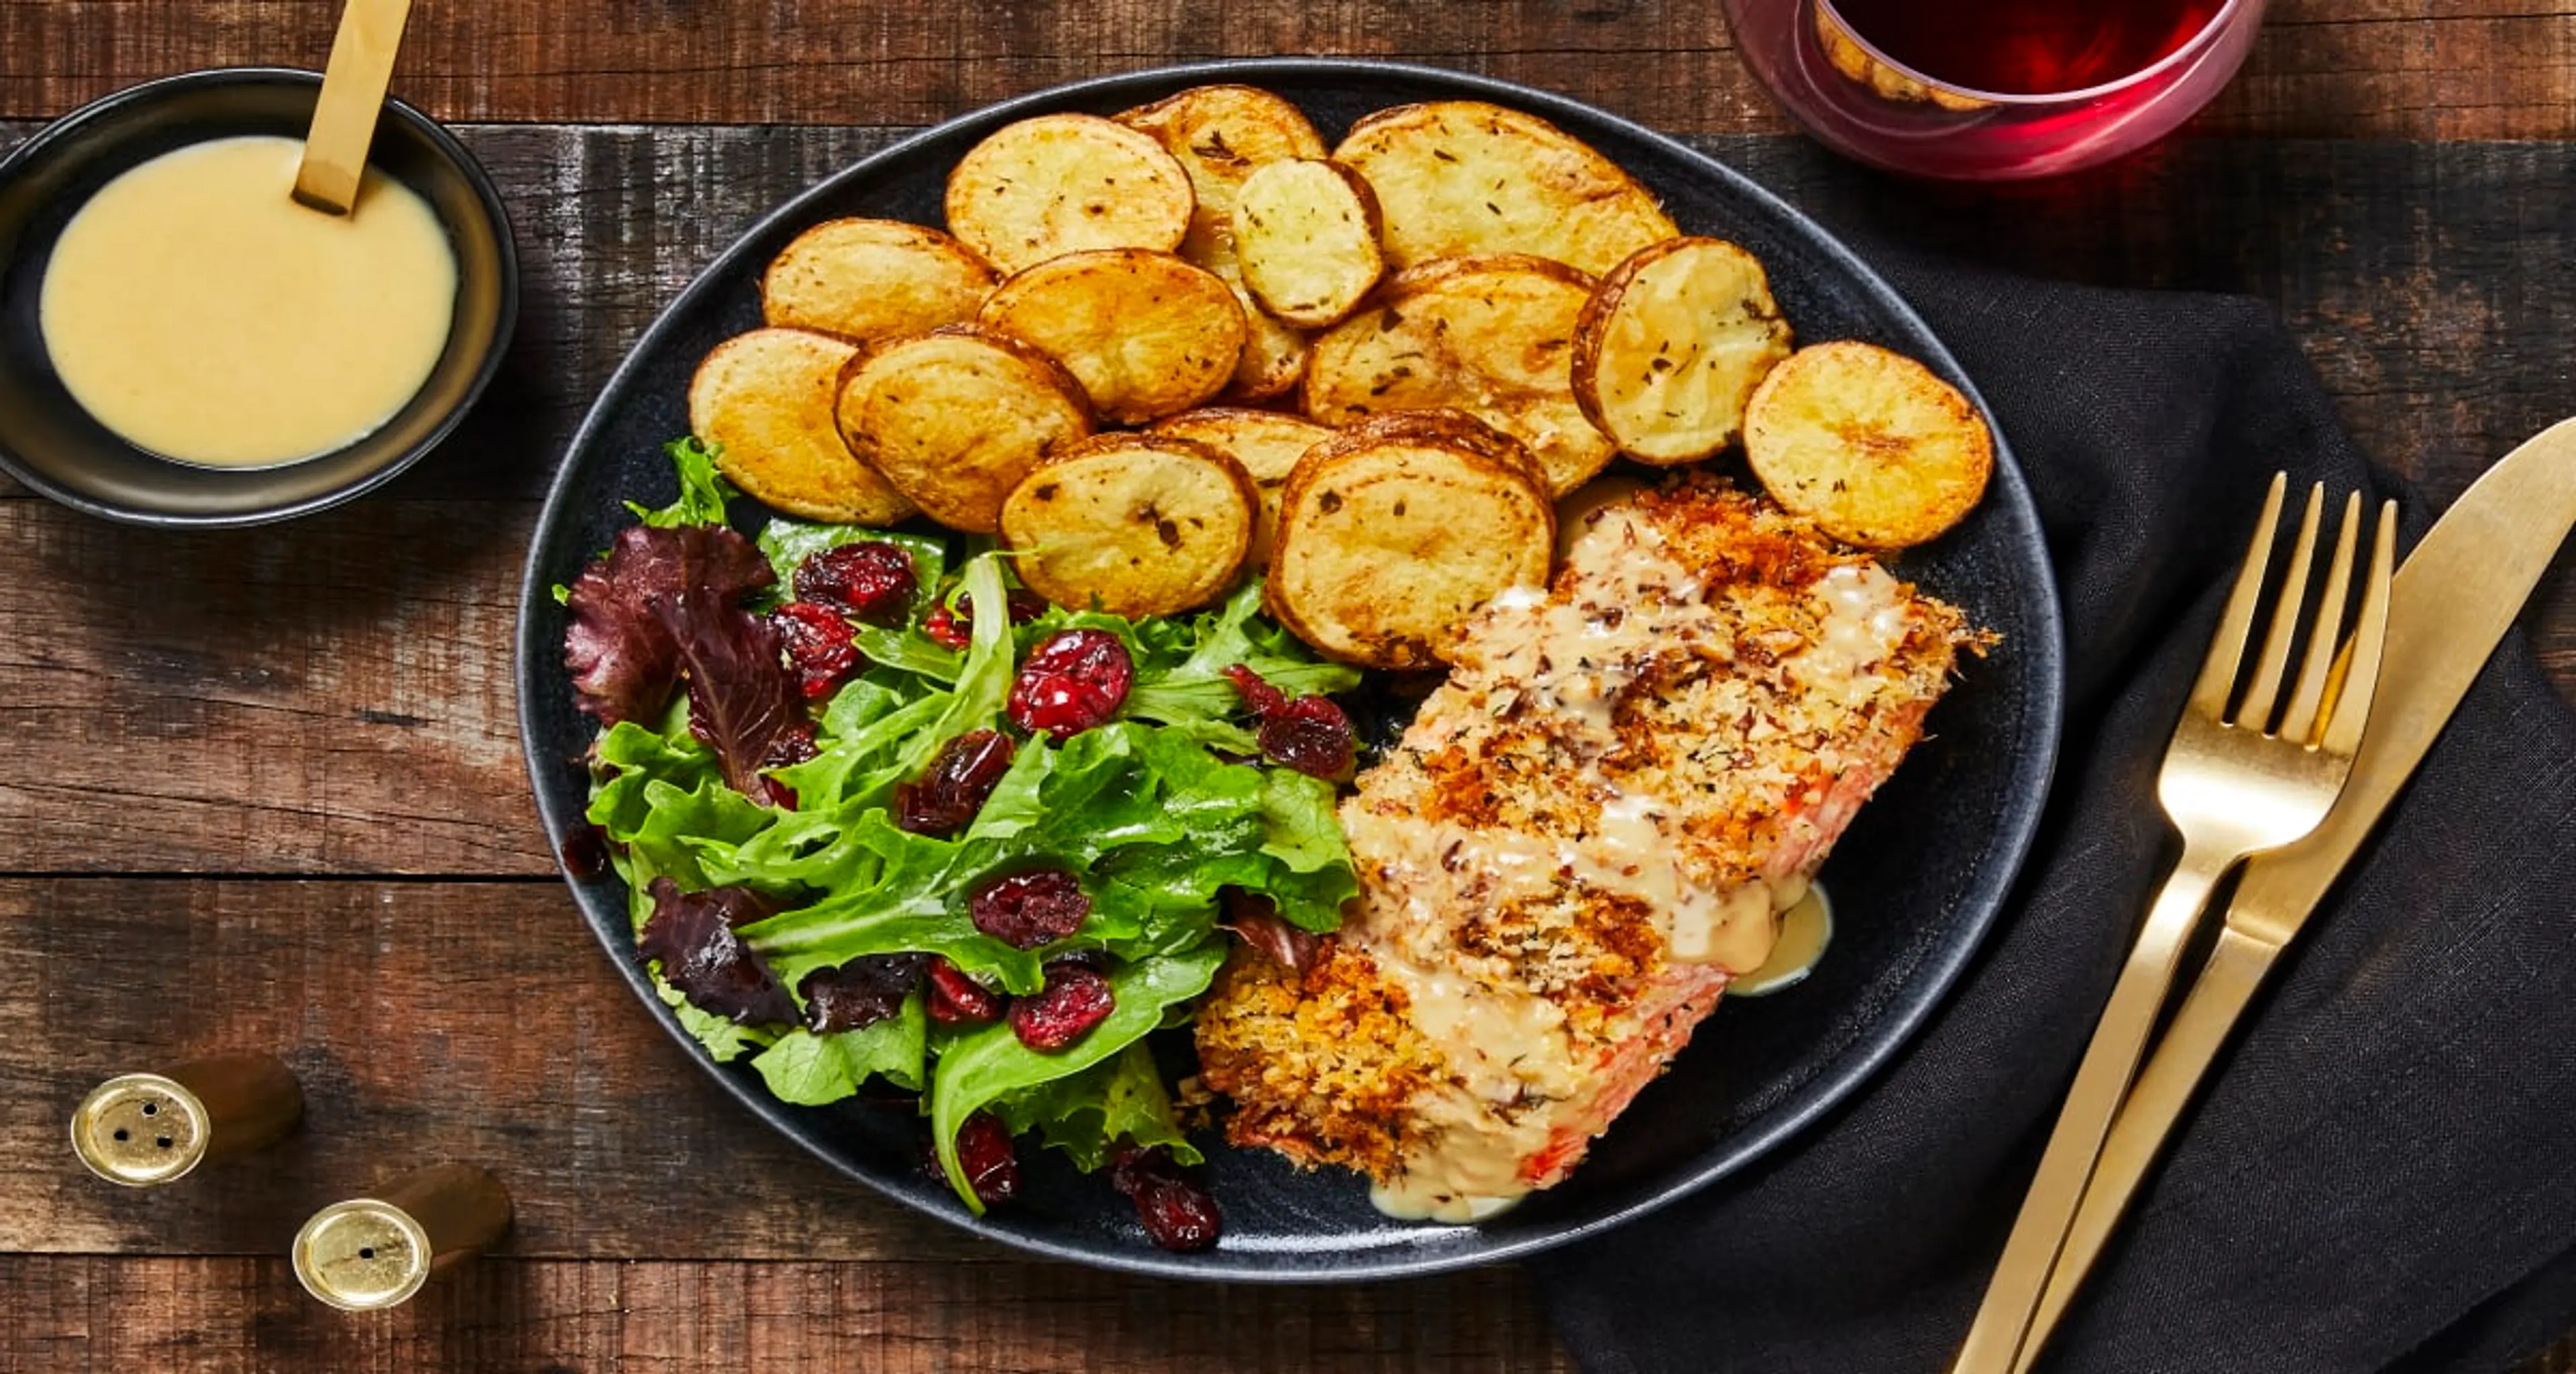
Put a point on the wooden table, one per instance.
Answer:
(264, 788)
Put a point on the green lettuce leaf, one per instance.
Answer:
(1088, 1113)
(703, 490)
(909, 650)
(1181, 682)
(810, 1070)
(984, 1065)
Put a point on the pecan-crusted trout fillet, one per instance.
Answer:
(1587, 830)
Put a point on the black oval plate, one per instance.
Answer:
(1916, 882)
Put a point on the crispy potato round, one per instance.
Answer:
(1220, 134)
(1460, 177)
(1274, 354)
(1392, 532)
(1267, 444)
(1305, 231)
(1672, 344)
(1493, 336)
(764, 399)
(956, 417)
(1064, 183)
(1145, 333)
(1868, 444)
(869, 279)
(1131, 524)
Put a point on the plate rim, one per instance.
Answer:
(1892, 1031)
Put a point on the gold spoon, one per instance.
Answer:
(353, 94)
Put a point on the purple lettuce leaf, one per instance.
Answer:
(625, 661)
(692, 934)
(744, 700)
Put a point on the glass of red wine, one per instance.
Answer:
(1992, 89)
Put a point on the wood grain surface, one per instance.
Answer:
(264, 789)
(2418, 69)
(554, 1317)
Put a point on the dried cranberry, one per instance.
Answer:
(946, 627)
(818, 644)
(1311, 735)
(873, 581)
(860, 993)
(1075, 999)
(984, 1152)
(1177, 1213)
(945, 798)
(792, 744)
(584, 851)
(1259, 697)
(1071, 682)
(956, 628)
(958, 1000)
(1029, 909)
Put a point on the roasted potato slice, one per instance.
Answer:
(1274, 354)
(1460, 177)
(1266, 442)
(1671, 346)
(1065, 183)
(1146, 334)
(1391, 532)
(1868, 444)
(1305, 231)
(764, 399)
(869, 279)
(1493, 336)
(1131, 524)
(1220, 134)
(956, 417)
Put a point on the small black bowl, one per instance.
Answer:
(48, 442)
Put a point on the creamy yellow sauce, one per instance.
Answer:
(193, 307)
(1805, 929)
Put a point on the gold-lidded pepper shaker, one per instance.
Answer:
(146, 1129)
(375, 1252)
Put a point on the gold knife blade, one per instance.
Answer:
(2452, 601)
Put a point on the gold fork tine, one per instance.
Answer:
(2300, 721)
(2351, 708)
(2227, 648)
(2265, 688)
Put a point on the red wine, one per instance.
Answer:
(2026, 47)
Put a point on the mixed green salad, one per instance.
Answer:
(929, 833)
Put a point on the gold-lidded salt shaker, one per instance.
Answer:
(147, 1129)
(375, 1252)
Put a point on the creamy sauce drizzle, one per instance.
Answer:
(195, 309)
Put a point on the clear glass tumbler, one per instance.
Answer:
(1857, 99)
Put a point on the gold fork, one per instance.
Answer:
(2233, 786)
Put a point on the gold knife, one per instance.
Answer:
(2453, 600)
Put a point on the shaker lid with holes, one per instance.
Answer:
(140, 1129)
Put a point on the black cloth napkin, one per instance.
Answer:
(2383, 1174)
